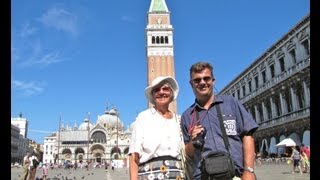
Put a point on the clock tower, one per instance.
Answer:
(159, 36)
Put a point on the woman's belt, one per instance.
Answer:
(160, 158)
(163, 167)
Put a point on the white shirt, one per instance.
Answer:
(31, 158)
(154, 136)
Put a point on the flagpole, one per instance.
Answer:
(59, 138)
(88, 127)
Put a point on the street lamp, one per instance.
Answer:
(59, 139)
(88, 128)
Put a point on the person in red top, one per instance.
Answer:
(305, 152)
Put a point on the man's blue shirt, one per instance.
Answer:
(237, 122)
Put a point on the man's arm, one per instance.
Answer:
(193, 134)
(248, 156)
(133, 164)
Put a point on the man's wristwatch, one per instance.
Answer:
(249, 169)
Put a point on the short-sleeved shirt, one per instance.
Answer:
(237, 122)
(295, 154)
(306, 151)
(154, 136)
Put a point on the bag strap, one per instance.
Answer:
(186, 160)
(223, 130)
(184, 156)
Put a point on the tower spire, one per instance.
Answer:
(158, 6)
(159, 36)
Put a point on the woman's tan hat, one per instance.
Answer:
(173, 83)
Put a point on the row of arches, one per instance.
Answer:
(267, 146)
(97, 153)
(160, 40)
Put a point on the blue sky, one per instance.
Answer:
(73, 57)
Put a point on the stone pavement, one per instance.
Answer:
(263, 172)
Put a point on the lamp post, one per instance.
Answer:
(117, 145)
(88, 128)
(117, 131)
(59, 138)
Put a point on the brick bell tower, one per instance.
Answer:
(159, 36)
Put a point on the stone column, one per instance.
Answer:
(257, 114)
(293, 99)
(273, 109)
(283, 106)
(264, 111)
(306, 94)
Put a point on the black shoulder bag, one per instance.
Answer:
(219, 165)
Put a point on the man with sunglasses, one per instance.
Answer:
(201, 130)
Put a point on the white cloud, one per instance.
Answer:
(40, 58)
(27, 88)
(27, 30)
(60, 19)
(43, 59)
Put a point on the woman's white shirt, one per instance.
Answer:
(154, 136)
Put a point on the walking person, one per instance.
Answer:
(156, 142)
(26, 163)
(204, 135)
(296, 157)
(34, 162)
(305, 153)
(44, 172)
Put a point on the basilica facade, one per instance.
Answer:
(102, 142)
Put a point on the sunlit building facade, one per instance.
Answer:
(101, 142)
(275, 89)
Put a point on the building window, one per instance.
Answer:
(306, 48)
(263, 73)
(153, 39)
(249, 85)
(282, 67)
(256, 80)
(243, 91)
(272, 71)
(238, 92)
(293, 56)
(166, 40)
(162, 40)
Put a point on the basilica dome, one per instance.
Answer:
(109, 119)
(84, 125)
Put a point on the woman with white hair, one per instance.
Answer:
(156, 142)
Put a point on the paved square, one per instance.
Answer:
(263, 172)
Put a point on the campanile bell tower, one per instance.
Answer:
(159, 36)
